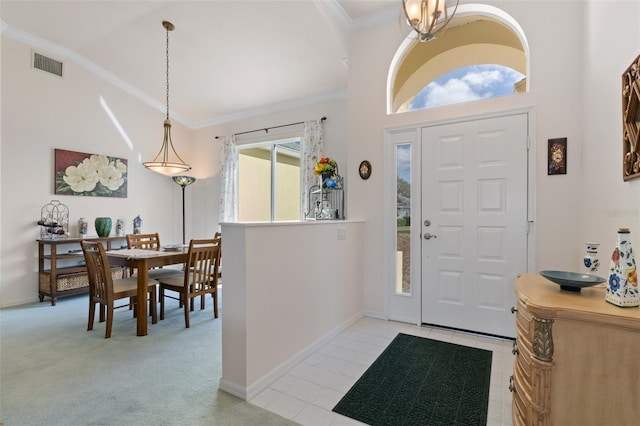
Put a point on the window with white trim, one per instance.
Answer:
(269, 181)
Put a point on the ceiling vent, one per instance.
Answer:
(46, 64)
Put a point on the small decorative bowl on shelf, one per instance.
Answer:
(572, 281)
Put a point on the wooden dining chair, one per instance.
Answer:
(199, 279)
(219, 235)
(104, 290)
(149, 242)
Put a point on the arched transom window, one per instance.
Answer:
(482, 54)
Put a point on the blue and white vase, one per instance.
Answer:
(591, 261)
(83, 227)
(622, 288)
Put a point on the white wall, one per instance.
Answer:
(42, 112)
(294, 286)
(606, 202)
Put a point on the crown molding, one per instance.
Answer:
(64, 53)
(374, 19)
(282, 106)
(336, 13)
(332, 7)
(346, 23)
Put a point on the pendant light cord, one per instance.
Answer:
(167, 28)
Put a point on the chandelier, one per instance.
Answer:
(163, 164)
(427, 17)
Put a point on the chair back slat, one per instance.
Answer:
(218, 234)
(143, 241)
(200, 278)
(204, 259)
(98, 270)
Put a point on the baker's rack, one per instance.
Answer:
(54, 221)
(326, 203)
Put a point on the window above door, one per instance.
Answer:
(483, 54)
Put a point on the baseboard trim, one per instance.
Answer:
(25, 301)
(232, 388)
(265, 381)
(376, 315)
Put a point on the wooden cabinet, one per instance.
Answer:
(61, 269)
(576, 357)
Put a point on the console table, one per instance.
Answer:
(576, 357)
(61, 268)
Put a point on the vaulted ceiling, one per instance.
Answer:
(228, 58)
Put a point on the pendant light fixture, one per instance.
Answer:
(165, 163)
(427, 17)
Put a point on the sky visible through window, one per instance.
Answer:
(467, 84)
(404, 161)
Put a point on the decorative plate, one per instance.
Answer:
(572, 281)
(365, 170)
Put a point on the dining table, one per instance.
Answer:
(143, 260)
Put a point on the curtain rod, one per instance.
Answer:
(266, 129)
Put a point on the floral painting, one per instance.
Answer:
(93, 175)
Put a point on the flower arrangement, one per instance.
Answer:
(326, 166)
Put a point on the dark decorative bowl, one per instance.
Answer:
(572, 281)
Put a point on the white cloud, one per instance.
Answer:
(483, 78)
(403, 159)
(477, 82)
(452, 92)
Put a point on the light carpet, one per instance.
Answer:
(55, 372)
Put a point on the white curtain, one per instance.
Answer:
(311, 151)
(228, 180)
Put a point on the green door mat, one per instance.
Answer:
(418, 381)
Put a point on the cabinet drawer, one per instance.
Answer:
(522, 376)
(519, 410)
(524, 322)
(524, 354)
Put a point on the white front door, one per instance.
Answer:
(474, 222)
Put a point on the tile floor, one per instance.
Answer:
(307, 393)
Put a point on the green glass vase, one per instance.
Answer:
(103, 226)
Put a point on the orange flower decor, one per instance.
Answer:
(325, 166)
(632, 277)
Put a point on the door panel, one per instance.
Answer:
(474, 193)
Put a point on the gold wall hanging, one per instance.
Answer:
(631, 121)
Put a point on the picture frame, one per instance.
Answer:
(89, 175)
(365, 170)
(631, 121)
(557, 156)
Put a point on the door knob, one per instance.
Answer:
(428, 236)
